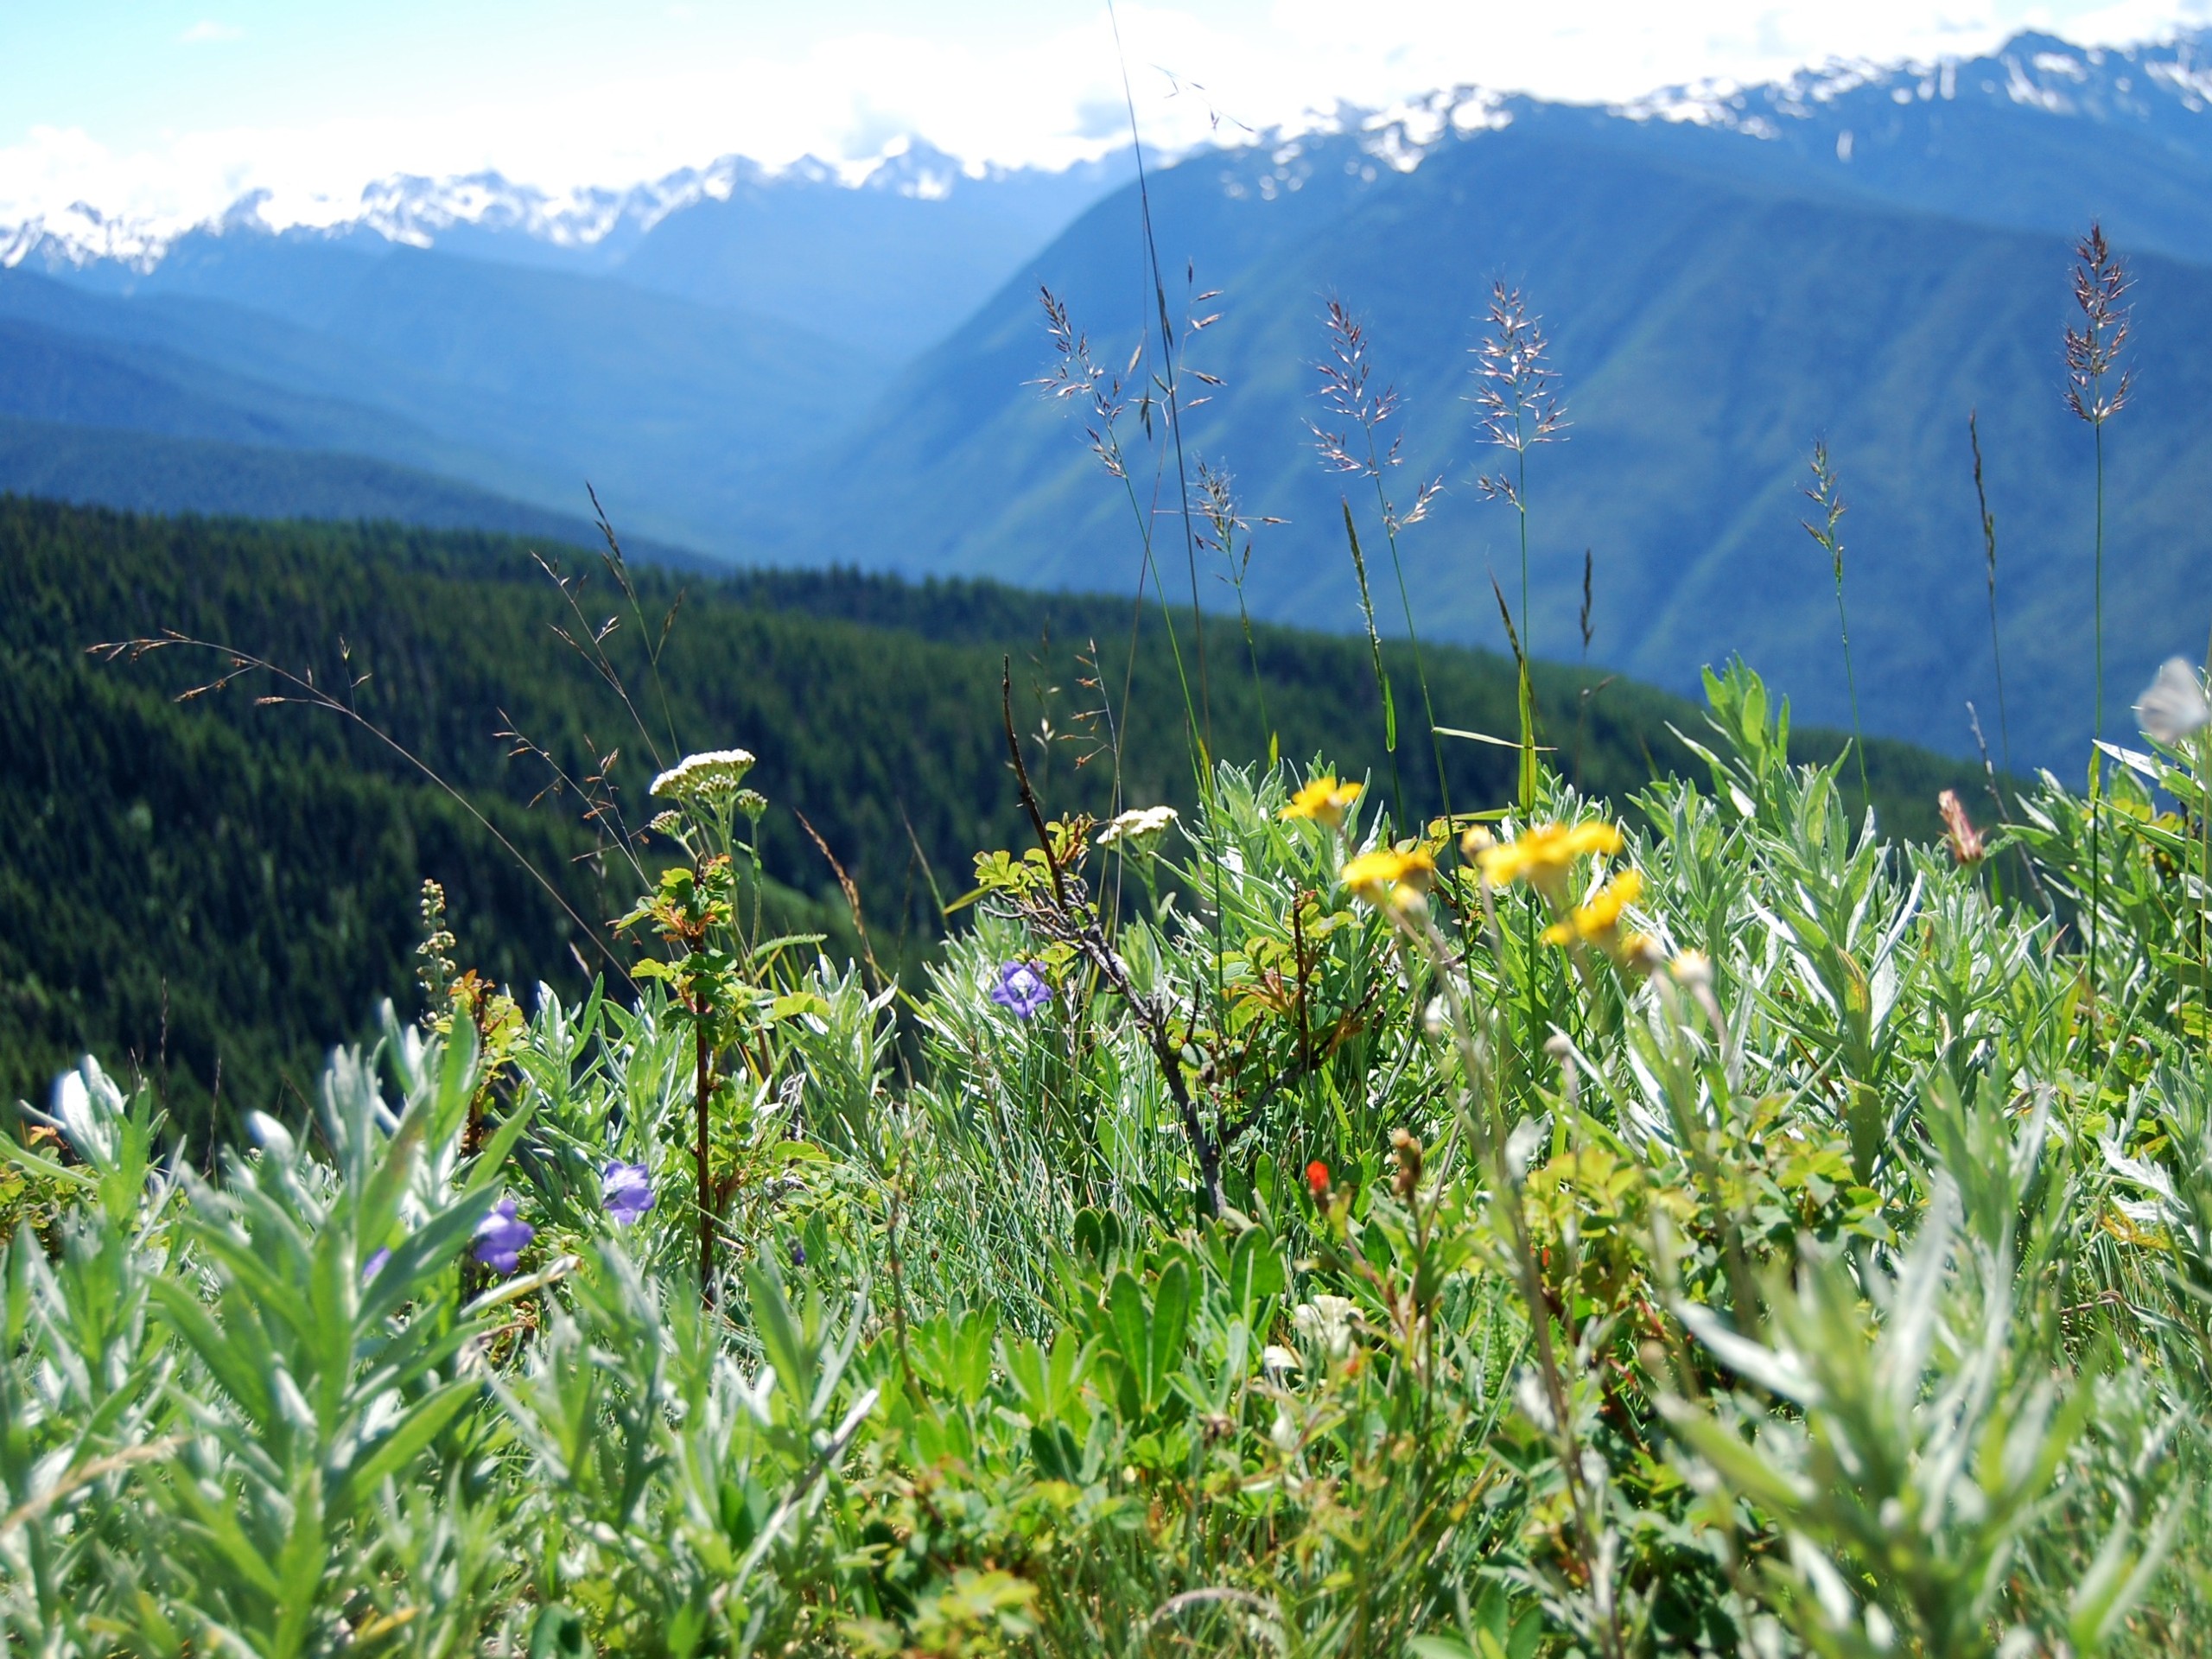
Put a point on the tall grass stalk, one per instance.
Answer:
(1168, 384)
(1077, 376)
(1828, 497)
(1382, 673)
(1224, 527)
(2096, 396)
(1517, 392)
(1989, 550)
(1344, 385)
(1582, 698)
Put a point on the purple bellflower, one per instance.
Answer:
(627, 1189)
(500, 1238)
(374, 1265)
(1021, 990)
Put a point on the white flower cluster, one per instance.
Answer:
(704, 776)
(1329, 1321)
(1138, 828)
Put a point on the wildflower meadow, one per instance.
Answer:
(1688, 1218)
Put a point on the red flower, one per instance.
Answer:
(1316, 1178)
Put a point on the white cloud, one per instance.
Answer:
(207, 29)
(1043, 94)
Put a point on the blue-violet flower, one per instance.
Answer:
(628, 1192)
(500, 1238)
(1021, 990)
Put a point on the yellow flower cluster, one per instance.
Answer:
(1540, 854)
(1388, 879)
(1599, 921)
(1324, 800)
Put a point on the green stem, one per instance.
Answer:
(1413, 637)
(1382, 673)
(2096, 755)
(1521, 505)
(1851, 681)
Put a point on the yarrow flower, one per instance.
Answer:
(1388, 878)
(710, 774)
(1021, 990)
(627, 1192)
(2173, 707)
(1138, 828)
(501, 1238)
(1324, 800)
(1328, 1321)
(1540, 854)
(1599, 921)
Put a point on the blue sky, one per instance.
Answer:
(172, 108)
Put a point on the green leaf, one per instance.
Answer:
(781, 1338)
(1255, 1272)
(191, 1321)
(1167, 1329)
(389, 1456)
(1527, 700)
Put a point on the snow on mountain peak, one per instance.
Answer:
(415, 211)
(2166, 83)
(2148, 83)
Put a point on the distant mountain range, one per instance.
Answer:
(884, 257)
(805, 368)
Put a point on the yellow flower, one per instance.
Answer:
(1599, 921)
(1325, 800)
(1542, 855)
(1385, 877)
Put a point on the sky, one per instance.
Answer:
(166, 112)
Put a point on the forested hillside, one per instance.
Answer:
(218, 883)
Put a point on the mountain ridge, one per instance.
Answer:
(2162, 84)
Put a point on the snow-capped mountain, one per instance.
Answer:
(1843, 112)
(589, 228)
(2162, 87)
